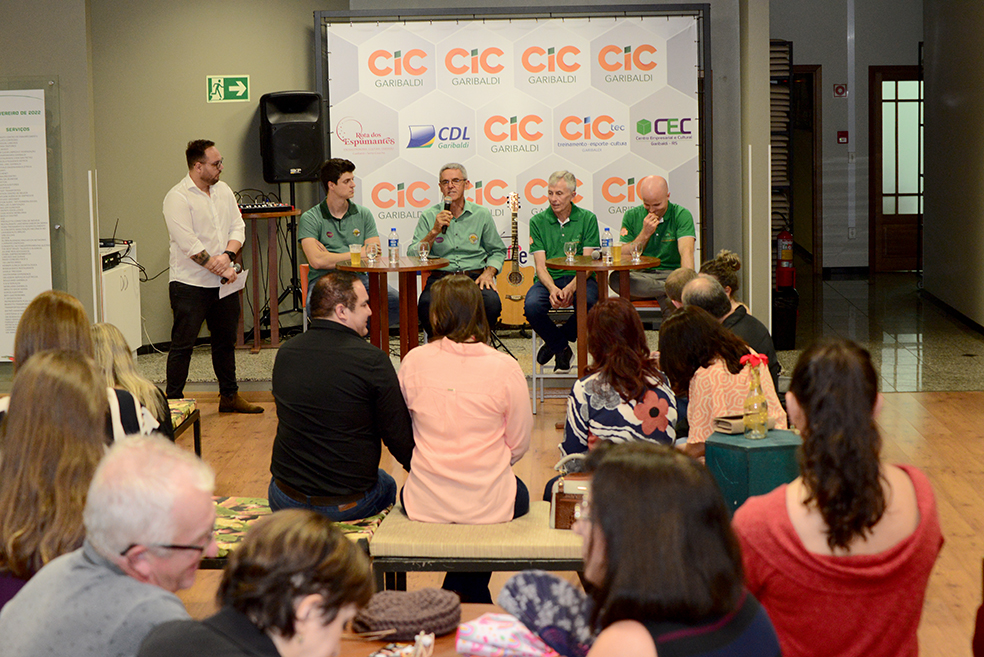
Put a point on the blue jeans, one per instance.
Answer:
(392, 300)
(376, 499)
(537, 305)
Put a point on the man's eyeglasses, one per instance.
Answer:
(453, 181)
(217, 164)
(175, 546)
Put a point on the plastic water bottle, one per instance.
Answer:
(394, 246)
(606, 245)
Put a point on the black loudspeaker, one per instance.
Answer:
(291, 136)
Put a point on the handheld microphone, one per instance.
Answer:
(238, 268)
(447, 206)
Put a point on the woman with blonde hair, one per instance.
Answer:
(49, 454)
(57, 320)
(114, 358)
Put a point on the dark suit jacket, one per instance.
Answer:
(226, 634)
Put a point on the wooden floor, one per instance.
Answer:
(941, 433)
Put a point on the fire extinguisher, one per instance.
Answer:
(785, 274)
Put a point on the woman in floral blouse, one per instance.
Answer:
(624, 397)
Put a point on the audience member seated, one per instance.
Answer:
(840, 558)
(289, 589)
(663, 563)
(149, 518)
(724, 268)
(50, 451)
(338, 399)
(624, 396)
(471, 421)
(57, 320)
(114, 358)
(705, 292)
(675, 282)
(702, 360)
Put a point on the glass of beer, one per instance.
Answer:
(355, 250)
(617, 251)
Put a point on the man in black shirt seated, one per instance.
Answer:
(705, 292)
(338, 399)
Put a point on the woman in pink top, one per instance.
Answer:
(840, 558)
(471, 414)
(702, 360)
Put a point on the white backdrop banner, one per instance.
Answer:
(610, 99)
(25, 243)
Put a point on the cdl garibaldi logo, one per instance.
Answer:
(351, 133)
(425, 136)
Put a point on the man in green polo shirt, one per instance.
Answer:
(326, 230)
(660, 229)
(465, 234)
(556, 288)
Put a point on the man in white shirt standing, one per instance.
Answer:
(206, 232)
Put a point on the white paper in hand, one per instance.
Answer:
(228, 288)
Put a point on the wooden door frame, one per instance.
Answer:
(875, 163)
(815, 71)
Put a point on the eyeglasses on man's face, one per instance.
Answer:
(452, 181)
(175, 546)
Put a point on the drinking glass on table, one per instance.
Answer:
(570, 248)
(355, 251)
(635, 253)
(423, 250)
(372, 252)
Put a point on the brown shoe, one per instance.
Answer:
(236, 404)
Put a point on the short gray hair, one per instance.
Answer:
(564, 175)
(453, 165)
(705, 292)
(134, 490)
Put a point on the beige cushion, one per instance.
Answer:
(529, 537)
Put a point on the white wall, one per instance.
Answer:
(886, 32)
(953, 234)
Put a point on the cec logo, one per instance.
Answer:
(664, 126)
(617, 190)
(574, 128)
(536, 191)
(383, 63)
(483, 193)
(536, 59)
(424, 136)
(459, 61)
(382, 195)
(499, 128)
(614, 58)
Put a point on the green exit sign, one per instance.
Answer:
(228, 88)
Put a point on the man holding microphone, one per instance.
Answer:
(465, 234)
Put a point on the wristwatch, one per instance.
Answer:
(232, 256)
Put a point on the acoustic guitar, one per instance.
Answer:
(513, 282)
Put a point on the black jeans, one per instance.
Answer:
(191, 306)
(490, 298)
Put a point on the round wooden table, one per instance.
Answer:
(407, 268)
(584, 265)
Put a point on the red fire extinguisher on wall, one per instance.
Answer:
(785, 274)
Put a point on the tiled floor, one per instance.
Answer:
(916, 344)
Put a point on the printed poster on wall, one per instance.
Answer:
(612, 100)
(25, 266)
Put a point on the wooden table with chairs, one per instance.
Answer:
(584, 265)
(407, 268)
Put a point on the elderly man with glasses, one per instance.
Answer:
(465, 234)
(149, 518)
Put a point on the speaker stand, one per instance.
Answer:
(294, 289)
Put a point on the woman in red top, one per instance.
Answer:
(840, 558)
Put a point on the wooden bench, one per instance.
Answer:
(184, 414)
(235, 515)
(401, 545)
